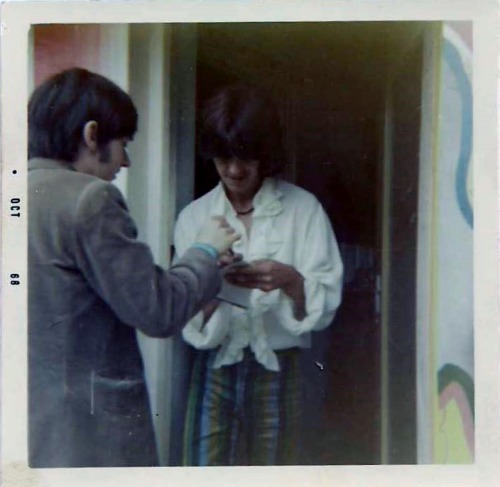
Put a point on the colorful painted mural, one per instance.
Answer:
(453, 272)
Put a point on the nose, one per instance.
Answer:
(235, 168)
(126, 159)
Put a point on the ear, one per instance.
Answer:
(89, 135)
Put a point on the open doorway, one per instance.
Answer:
(330, 81)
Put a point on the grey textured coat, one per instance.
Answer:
(91, 284)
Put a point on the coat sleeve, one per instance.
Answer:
(121, 270)
(199, 335)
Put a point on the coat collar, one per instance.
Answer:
(267, 200)
(44, 163)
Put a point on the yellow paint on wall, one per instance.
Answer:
(450, 442)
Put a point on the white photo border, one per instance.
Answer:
(16, 19)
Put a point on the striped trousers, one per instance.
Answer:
(243, 414)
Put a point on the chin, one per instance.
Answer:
(238, 186)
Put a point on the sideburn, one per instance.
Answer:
(104, 153)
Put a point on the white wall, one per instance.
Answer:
(151, 193)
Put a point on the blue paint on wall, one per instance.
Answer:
(453, 59)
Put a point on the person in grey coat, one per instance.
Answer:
(92, 284)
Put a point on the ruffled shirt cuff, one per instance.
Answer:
(319, 313)
(212, 334)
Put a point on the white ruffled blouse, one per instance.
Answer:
(290, 226)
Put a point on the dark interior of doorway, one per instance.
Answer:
(332, 114)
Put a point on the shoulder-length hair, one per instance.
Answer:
(242, 122)
(61, 106)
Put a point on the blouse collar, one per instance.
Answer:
(266, 202)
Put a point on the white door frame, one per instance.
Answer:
(151, 193)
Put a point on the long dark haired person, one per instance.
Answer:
(244, 402)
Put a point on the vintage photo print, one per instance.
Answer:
(259, 235)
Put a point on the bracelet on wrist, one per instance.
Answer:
(209, 249)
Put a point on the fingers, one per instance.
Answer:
(223, 224)
(218, 233)
(224, 260)
(251, 279)
(254, 274)
(229, 257)
(222, 221)
(231, 235)
(263, 274)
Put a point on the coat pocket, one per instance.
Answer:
(117, 396)
(122, 422)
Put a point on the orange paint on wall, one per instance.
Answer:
(59, 47)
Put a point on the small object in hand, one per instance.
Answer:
(235, 266)
(233, 303)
